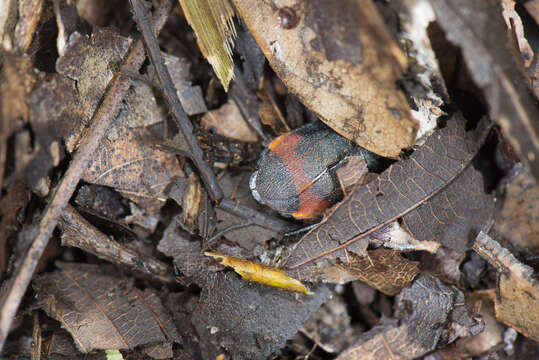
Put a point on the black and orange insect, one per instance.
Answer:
(296, 173)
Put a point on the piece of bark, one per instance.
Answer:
(431, 181)
(347, 77)
(102, 311)
(517, 298)
(496, 66)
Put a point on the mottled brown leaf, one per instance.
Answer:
(411, 188)
(103, 311)
(383, 269)
(427, 310)
(130, 164)
(495, 65)
(92, 62)
(518, 302)
(342, 63)
(249, 320)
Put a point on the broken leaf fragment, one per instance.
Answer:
(212, 23)
(260, 273)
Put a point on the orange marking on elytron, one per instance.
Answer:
(310, 204)
(276, 141)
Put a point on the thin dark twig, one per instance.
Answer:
(169, 91)
(107, 111)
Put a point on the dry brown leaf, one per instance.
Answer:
(228, 121)
(131, 165)
(438, 204)
(102, 311)
(518, 302)
(341, 62)
(383, 269)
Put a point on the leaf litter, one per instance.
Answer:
(402, 232)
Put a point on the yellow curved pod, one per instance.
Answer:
(260, 273)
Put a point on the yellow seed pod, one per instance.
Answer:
(260, 273)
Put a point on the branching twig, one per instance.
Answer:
(101, 120)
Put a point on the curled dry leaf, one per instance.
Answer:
(340, 60)
(432, 191)
(259, 273)
(102, 311)
(518, 302)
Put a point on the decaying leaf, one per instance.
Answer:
(130, 164)
(249, 321)
(91, 61)
(215, 31)
(427, 190)
(102, 311)
(383, 269)
(259, 273)
(478, 29)
(429, 311)
(341, 62)
(228, 121)
(518, 301)
(518, 219)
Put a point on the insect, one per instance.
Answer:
(296, 173)
(287, 18)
